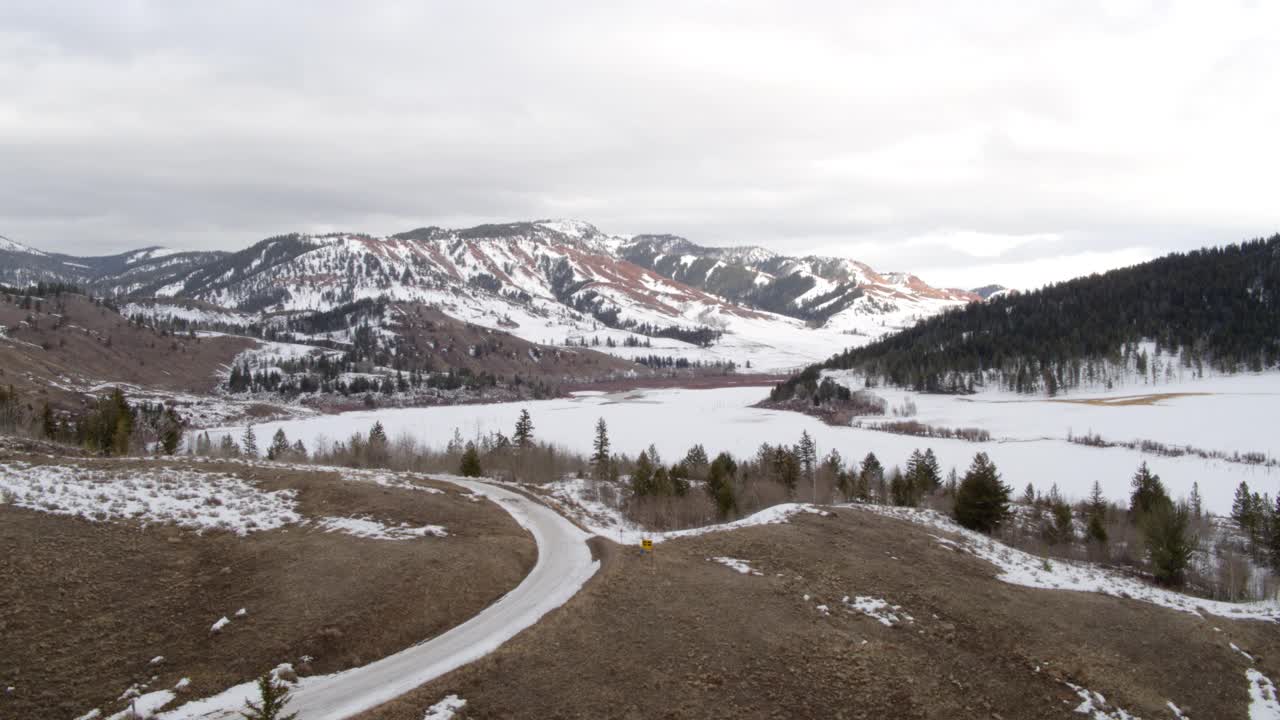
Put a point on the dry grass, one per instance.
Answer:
(1130, 400)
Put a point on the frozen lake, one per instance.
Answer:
(1028, 437)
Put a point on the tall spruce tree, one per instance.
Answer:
(470, 464)
(870, 478)
(1166, 531)
(279, 446)
(1148, 492)
(600, 454)
(982, 500)
(523, 436)
(249, 443)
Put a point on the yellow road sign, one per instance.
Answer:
(647, 545)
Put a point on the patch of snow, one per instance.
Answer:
(1096, 707)
(220, 624)
(1264, 704)
(374, 530)
(1022, 568)
(741, 566)
(156, 660)
(145, 705)
(182, 684)
(1177, 711)
(200, 501)
(888, 615)
(1237, 649)
(93, 714)
(445, 709)
(242, 612)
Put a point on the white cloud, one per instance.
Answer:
(864, 127)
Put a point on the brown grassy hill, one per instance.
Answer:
(678, 636)
(62, 345)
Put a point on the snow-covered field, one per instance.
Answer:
(1028, 446)
(195, 500)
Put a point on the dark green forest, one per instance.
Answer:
(1215, 308)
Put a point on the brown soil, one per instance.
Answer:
(74, 340)
(690, 382)
(1127, 400)
(677, 636)
(85, 606)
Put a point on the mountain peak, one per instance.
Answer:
(7, 245)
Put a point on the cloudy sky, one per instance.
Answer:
(1008, 143)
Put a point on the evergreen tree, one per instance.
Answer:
(720, 477)
(1029, 495)
(1097, 528)
(279, 446)
(272, 697)
(1148, 492)
(470, 465)
(377, 450)
(1165, 529)
(642, 476)
(982, 500)
(870, 478)
(1246, 511)
(299, 450)
(807, 454)
(523, 436)
(1197, 504)
(171, 428)
(929, 476)
(249, 443)
(600, 455)
(697, 458)
(901, 488)
(1273, 538)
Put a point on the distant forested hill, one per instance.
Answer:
(1215, 308)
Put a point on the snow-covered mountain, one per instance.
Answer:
(558, 282)
(130, 273)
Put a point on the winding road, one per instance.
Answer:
(564, 565)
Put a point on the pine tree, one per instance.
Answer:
(1197, 504)
(470, 465)
(376, 452)
(1165, 529)
(1244, 510)
(929, 477)
(48, 425)
(272, 696)
(642, 476)
(870, 477)
(1148, 492)
(697, 458)
(523, 436)
(279, 446)
(1029, 495)
(600, 455)
(807, 454)
(1097, 528)
(249, 443)
(720, 478)
(1273, 537)
(982, 501)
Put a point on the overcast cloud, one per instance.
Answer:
(966, 142)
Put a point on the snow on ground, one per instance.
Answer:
(723, 419)
(374, 530)
(166, 311)
(1096, 707)
(195, 500)
(1229, 417)
(1022, 568)
(878, 608)
(445, 709)
(580, 500)
(741, 566)
(1264, 703)
(144, 706)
